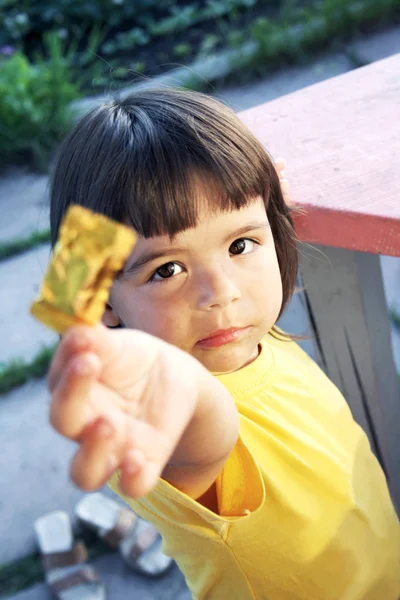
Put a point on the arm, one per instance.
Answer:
(207, 440)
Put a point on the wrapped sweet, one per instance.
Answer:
(90, 251)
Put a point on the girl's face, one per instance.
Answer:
(214, 292)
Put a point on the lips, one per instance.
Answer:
(221, 337)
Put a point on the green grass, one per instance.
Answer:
(19, 575)
(27, 571)
(321, 26)
(20, 245)
(18, 371)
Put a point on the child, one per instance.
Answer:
(212, 424)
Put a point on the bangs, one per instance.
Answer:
(180, 163)
(167, 205)
(151, 159)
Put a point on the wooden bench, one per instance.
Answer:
(341, 140)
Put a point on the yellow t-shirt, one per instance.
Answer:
(304, 509)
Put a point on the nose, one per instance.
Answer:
(216, 289)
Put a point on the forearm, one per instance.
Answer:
(207, 441)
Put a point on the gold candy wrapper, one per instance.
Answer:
(90, 250)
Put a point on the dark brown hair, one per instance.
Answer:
(135, 161)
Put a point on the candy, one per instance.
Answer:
(90, 251)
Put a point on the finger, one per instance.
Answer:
(77, 339)
(147, 453)
(280, 165)
(138, 475)
(70, 409)
(285, 187)
(97, 457)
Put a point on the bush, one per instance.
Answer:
(35, 102)
(19, 20)
(130, 24)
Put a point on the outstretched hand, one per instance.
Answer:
(114, 393)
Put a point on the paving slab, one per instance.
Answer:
(24, 203)
(242, 97)
(123, 584)
(367, 49)
(34, 464)
(22, 336)
(34, 469)
(378, 46)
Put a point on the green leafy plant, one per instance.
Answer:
(34, 103)
(182, 50)
(181, 17)
(36, 96)
(128, 40)
(307, 29)
(209, 44)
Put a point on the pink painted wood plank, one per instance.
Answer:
(341, 140)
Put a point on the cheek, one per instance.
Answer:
(142, 311)
(269, 285)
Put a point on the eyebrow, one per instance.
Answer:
(151, 255)
(148, 257)
(256, 226)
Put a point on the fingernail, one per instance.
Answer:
(281, 161)
(82, 367)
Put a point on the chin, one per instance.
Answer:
(226, 359)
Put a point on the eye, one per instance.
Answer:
(166, 271)
(241, 246)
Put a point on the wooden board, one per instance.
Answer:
(341, 140)
(348, 316)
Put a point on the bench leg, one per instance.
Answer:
(349, 322)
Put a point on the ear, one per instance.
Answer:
(110, 318)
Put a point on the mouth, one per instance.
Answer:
(221, 337)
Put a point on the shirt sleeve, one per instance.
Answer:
(240, 488)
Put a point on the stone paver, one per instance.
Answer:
(241, 97)
(33, 469)
(22, 336)
(367, 49)
(23, 203)
(378, 46)
(34, 466)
